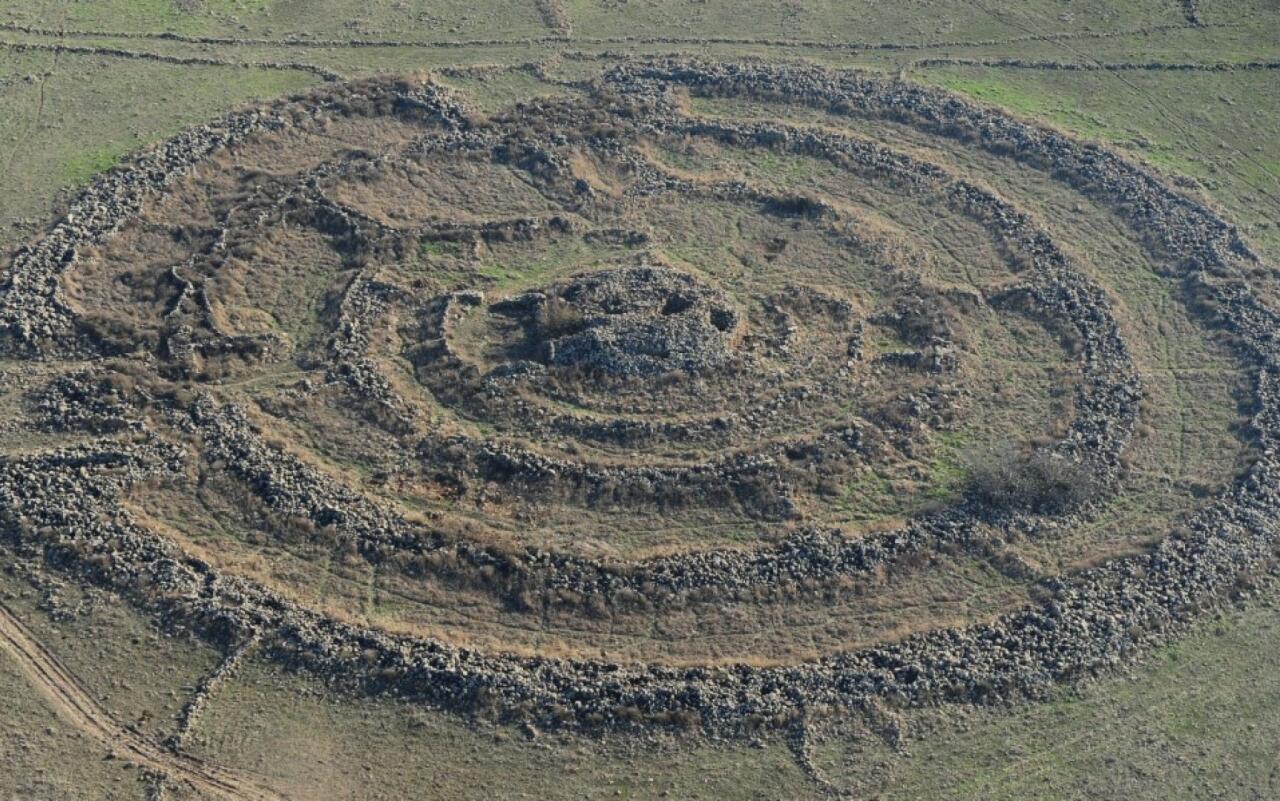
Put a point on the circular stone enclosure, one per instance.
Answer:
(636, 404)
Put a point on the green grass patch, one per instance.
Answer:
(81, 167)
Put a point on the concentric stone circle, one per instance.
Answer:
(515, 410)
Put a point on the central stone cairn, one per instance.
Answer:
(629, 321)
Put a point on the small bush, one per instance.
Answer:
(558, 318)
(1039, 481)
(116, 334)
(796, 206)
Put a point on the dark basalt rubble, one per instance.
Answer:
(34, 315)
(63, 507)
(634, 321)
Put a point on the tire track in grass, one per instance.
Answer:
(73, 702)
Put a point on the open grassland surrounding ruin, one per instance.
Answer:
(580, 399)
(1174, 728)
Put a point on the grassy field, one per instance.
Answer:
(83, 84)
(1194, 720)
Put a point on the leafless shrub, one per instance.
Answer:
(1038, 481)
(117, 335)
(796, 206)
(558, 318)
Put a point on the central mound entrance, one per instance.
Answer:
(628, 321)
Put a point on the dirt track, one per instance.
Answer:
(74, 703)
